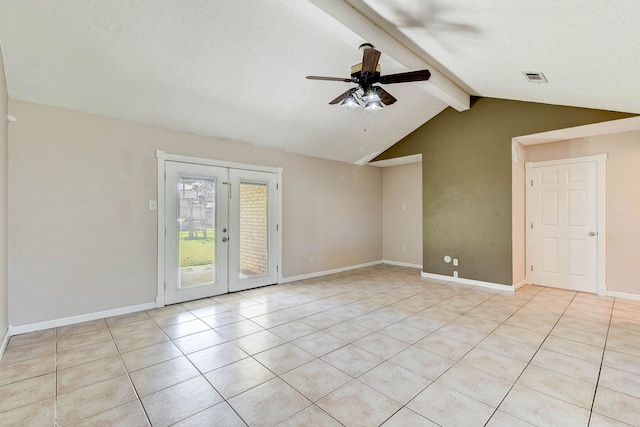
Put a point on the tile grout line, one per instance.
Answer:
(410, 345)
(534, 355)
(139, 398)
(320, 357)
(119, 354)
(528, 363)
(135, 390)
(202, 374)
(604, 350)
(252, 356)
(384, 361)
(476, 346)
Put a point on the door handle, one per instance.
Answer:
(592, 233)
(224, 239)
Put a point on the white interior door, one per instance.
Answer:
(564, 226)
(221, 230)
(196, 220)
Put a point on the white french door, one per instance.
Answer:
(253, 223)
(563, 225)
(221, 230)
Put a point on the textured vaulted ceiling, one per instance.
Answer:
(236, 69)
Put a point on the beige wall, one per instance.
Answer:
(402, 227)
(84, 241)
(4, 202)
(623, 199)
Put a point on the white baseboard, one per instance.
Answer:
(327, 272)
(32, 327)
(623, 295)
(471, 282)
(402, 264)
(5, 341)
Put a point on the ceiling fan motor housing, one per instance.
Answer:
(364, 46)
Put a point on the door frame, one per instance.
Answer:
(162, 157)
(601, 160)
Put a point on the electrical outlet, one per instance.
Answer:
(404, 248)
(455, 262)
(455, 274)
(153, 205)
(311, 259)
(404, 206)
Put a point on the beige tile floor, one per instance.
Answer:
(375, 346)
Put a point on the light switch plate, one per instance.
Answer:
(153, 205)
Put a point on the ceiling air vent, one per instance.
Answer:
(534, 77)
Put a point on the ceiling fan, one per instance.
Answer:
(366, 74)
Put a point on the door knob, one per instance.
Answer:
(224, 239)
(592, 233)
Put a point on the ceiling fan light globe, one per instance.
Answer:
(373, 106)
(351, 105)
(350, 102)
(371, 96)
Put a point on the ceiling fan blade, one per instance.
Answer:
(341, 97)
(411, 76)
(370, 59)
(332, 79)
(385, 97)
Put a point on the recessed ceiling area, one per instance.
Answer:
(236, 69)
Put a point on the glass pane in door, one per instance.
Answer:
(254, 227)
(196, 230)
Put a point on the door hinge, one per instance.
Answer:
(532, 183)
(532, 226)
(277, 186)
(532, 267)
(277, 268)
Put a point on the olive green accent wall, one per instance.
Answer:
(466, 180)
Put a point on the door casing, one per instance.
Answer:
(162, 157)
